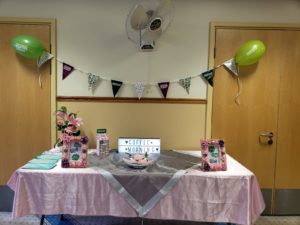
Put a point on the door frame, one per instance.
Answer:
(211, 55)
(53, 71)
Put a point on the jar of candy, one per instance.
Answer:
(102, 142)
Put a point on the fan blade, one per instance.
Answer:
(164, 8)
(151, 35)
(139, 18)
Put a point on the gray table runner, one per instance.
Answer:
(143, 188)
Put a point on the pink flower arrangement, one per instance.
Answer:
(68, 124)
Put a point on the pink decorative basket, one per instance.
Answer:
(74, 153)
(213, 155)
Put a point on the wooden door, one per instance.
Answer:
(260, 111)
(26, 108)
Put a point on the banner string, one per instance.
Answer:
(131, 82)
(217, 66)
(184, 82)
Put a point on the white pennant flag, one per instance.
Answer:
(44, 58)
(41, 61)
(139, 88)
(230, 64)
(185, 83)
(92, 81)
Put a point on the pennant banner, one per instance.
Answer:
(139, 88)
(116, 85)
(67, 70)
(164, 87)
(185, 83)
(44, 58)
(230, 64)
(92, 81)
(209, 76)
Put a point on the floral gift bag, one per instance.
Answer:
(74, 146)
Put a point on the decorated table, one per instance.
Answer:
(166, 190)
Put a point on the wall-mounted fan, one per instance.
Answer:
(147, 20)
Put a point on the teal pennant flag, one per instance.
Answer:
(209, 76)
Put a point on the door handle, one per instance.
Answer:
(269, 135)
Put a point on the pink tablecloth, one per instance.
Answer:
(232, 196)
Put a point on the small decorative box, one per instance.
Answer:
(102, 142)
(74, 152)
(213, 155)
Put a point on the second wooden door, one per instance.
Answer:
(262, 130)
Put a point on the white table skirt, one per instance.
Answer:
(231, 196)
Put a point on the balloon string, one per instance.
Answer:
(40, 75)
(40, 80)
(236, 99)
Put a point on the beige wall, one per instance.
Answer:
(180, 126)
(91, 36)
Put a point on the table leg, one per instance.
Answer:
(42, 219)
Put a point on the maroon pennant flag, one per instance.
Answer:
(67, 70)
(164, 86)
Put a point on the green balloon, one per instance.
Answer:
(250, 53)
(27, 46)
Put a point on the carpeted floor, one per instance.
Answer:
(278, 220)
(263, 220)
(109, 220)
(5, 219)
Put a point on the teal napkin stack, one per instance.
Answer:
(45, 161)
